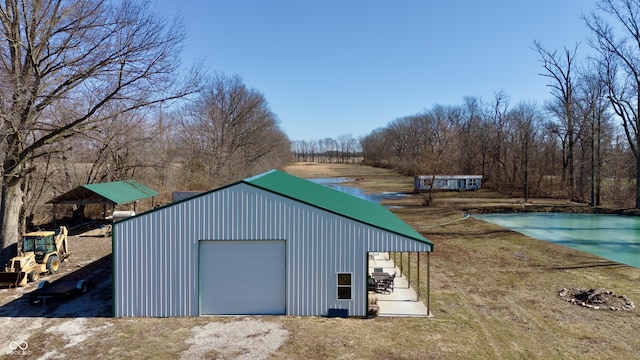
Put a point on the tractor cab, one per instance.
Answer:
(40, 243)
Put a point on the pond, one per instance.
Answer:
(335, 183)
(613, 237)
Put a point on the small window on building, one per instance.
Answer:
(344, 286)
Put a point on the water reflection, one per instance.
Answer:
(335, 183)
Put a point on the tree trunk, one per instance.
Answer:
(526, 170)
(10, 208)
(599, 165)
(433, 183)
(592, 202)
(638, 182)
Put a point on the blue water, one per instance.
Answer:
(334, 183)
(613, 237)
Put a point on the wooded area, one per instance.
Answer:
(521, 149)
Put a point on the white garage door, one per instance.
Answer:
(242, 277)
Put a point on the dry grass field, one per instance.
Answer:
(494, 295)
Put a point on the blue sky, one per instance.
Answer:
(330, 67)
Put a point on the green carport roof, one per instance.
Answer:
(334, 201)
(116, 192)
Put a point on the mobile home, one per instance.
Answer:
(447, 182)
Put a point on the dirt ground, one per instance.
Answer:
(494, 294)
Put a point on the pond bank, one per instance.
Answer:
(554, 209)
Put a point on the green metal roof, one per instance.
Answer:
(116, 192)
(334, 201)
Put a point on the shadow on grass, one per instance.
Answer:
(468, 234)
(609, 264)
(96, 302)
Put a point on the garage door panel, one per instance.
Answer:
(242, 277)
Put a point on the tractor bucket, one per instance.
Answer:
(13, 279)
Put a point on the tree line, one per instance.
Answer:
(344, 149)
(520, 149)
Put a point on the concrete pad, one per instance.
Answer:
(403, 300)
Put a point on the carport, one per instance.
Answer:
(109, 193)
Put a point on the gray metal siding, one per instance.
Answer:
(156, 260)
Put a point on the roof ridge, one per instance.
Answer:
(334, 201)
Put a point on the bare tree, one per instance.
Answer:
(118, 148)
(328, 149)
(592, 106)
(162, 150)
(472, 136)
(621, 61)
(404, 142)
(230, 133)
(374, 148)
(332, 149)
(440, 149)
(496, 129)
(296, 150)
(525, 120)
(560, 69)
(75, 57)
(313, 150)
(346, 143)
(398, 139)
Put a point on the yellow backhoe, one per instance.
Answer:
(39, 252)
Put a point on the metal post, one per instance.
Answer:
(409, 269)
(418, 282)
(428, 284)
